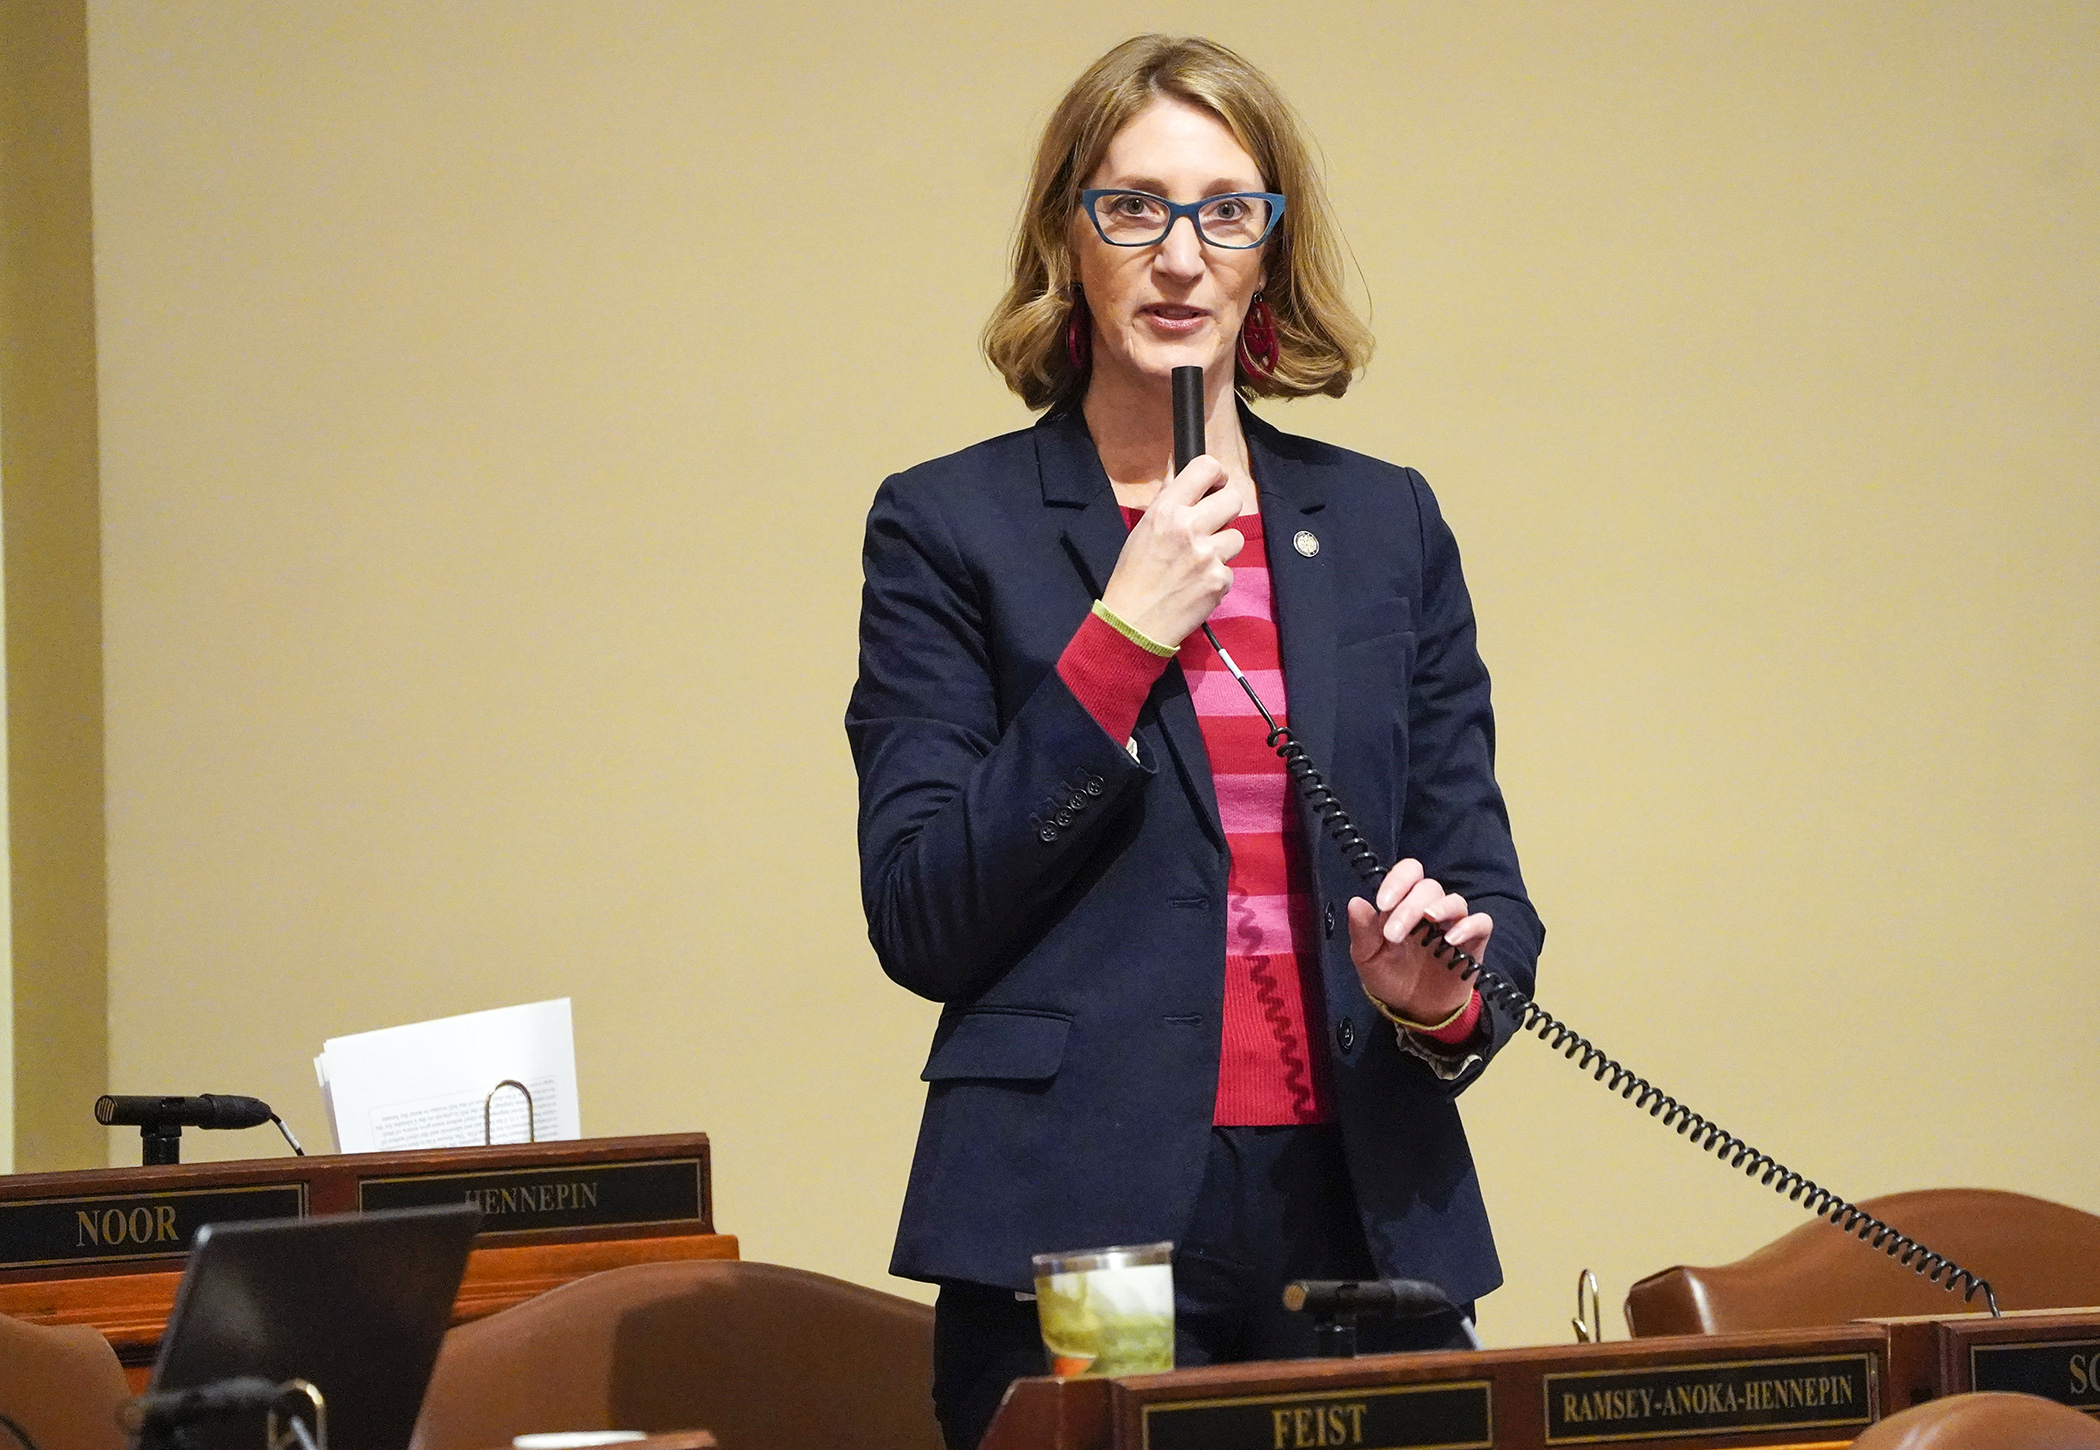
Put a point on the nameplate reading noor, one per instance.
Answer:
(1598, 1406)
(573, 1195)
(1377, 1417)
(2064, 1370)
(115, 1228)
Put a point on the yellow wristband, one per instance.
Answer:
(1425, 1027)
(1143, 642)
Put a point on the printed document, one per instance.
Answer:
(428, 1085)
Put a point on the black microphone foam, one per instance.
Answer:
(1188, 415)
(1384, 1298)
(207, 1110)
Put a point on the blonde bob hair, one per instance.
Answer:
(1321, 345)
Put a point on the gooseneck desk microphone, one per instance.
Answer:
(160, 1120)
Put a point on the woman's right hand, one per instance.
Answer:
(1176, 564)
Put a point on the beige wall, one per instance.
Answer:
(491, 395)
(56, 1020)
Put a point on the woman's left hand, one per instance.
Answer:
(1396, 965)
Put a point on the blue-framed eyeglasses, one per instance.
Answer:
(1238, 219)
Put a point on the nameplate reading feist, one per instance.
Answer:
(574, 1195)
(1707, 1399)
(1381, 1417)
(118, 1227)
(2064, 1370)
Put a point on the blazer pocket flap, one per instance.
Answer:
(1024, 1046)
(1376, 620)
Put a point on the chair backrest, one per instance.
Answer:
(2036, 1255)
(765, 1357)
(1984, 1422)
(62, 1386)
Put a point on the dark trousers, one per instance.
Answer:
(1275, 1206)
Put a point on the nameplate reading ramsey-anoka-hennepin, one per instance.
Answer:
(1603, 1406)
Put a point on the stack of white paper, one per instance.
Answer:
(427, 1085)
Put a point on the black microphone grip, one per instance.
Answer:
(1188, 415)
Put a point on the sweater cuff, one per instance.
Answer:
(1110, 675)
(1461, 1026)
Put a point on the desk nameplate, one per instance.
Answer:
(119, 1228)
(1448, 1416)
(2064, 1370)
(571, 1195)
(1654, 1402)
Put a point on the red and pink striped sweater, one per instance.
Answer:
(1270, 1070)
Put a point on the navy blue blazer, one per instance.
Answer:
(1066, 902)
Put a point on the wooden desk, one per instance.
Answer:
(649, 1200)
(1799, 1388)
(1807, 1389)
(132, 1309)
(2054, 1353)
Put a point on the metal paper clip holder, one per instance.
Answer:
(1589, 1310)
(488, 1113)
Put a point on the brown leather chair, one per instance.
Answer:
(62, 1386)
(1984, 1422)
(2036, 1255)
(765, 1357)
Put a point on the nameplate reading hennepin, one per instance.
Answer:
(2064, 1370)
(573, 1195)
(114, 1228)
(1709, 1399)
(1384, 1417)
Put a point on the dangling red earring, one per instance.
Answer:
(1259, 347)
(1079, 335)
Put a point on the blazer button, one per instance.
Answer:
(1063, 818)
(1330, 921)
(1076, 803)
(1046, 835)
(1345, 1035)
(1093, 785)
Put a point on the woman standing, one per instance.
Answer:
(1167, 1015)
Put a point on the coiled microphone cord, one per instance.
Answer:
(1500, 992)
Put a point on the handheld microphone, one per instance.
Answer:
(207, 1110)
(1188, 415)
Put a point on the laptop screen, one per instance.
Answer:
(356, 1304)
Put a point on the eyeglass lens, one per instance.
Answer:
(1132, 218)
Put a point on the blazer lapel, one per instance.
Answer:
(1074, 483)
(1292, 503)
(1073, 480)
(1177, 719)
